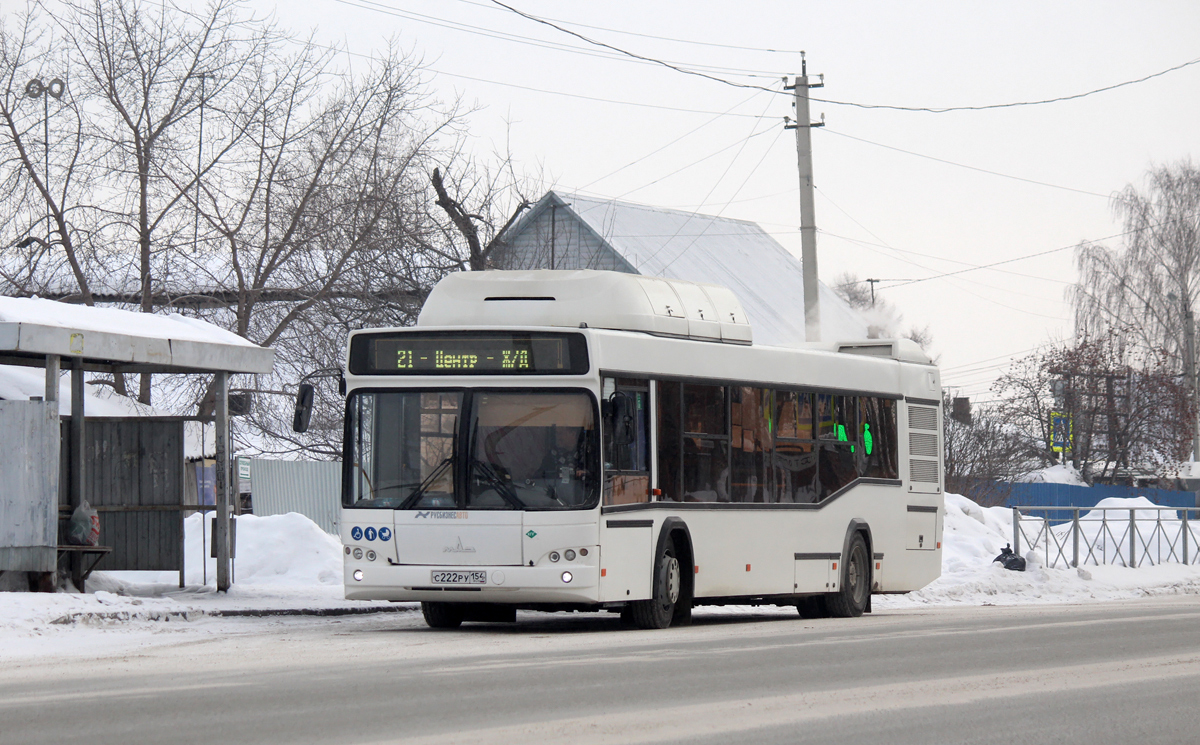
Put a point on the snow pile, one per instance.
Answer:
(283, 562)
(275, 551)
(1064, 473)
(289, 550)
(974, 535)
(1104, 533)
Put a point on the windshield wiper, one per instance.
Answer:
(503, 489)
(419, 492)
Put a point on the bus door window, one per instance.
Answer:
(752, 418)
(626, 441)
(670, 434)
(877, 434)
(705, 444)
(794, 470)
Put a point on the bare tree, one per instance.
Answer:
(481, 203)
(984, 454)
(1128, 412)
(40, 113)
(1143, 289)
(149, 71)
(304, 211)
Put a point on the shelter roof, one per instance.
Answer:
(107, 338)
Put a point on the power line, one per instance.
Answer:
(385, 9)
(742, 141)
(652, 60)
(735, 193)
(868, 244)
(982, 297)
(964, 165)
(650, 36)
(1012, 104)
(1027, 256)
(924, 109)
(669, 144)
(532, 89)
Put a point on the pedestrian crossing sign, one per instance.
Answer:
(1060, 432)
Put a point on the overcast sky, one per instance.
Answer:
(611, 126)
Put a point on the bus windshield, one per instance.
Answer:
(473, 449)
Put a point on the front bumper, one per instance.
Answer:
(505, 585)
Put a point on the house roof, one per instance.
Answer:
(740, 255)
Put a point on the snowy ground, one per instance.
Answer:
(287, 564)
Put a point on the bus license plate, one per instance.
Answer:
(458, 578)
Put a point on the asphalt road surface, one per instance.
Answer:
(1095, 674)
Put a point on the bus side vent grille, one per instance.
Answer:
(922, 417)
(923, 470)
(922, 444)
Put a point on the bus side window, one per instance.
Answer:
(752, 443)
(705, 444)
(794, 473)
(879, 439)
(670, 434)
(839, 449)
(626, 441)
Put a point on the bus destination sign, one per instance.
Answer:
(477, 353)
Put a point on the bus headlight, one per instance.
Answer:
(553, 556)
(569, 555)
(370, 556)
(567, 577)
(358, 553)
(357, 575)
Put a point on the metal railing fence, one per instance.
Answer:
(1124, 536)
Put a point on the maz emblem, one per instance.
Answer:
(458, 548)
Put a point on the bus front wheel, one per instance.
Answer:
(442, 615)
(851, 599)
(659, 610)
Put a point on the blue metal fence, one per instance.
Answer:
(1066, 495)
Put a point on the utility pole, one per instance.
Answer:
(872, 283)
(808, 220)
(1189, 368)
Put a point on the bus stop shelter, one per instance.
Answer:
(57, 336)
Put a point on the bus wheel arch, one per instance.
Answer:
(671, 552)
(853, 597)
(677, 530)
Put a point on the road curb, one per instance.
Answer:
(194, 613)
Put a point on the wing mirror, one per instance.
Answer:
(304, 407)
(618, 410)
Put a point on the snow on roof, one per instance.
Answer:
(23, 383)
(767, 279)
(38, 326)
(113, 320)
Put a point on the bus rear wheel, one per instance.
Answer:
(442, 615)
(851, 599)
(659, 610)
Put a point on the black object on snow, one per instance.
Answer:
(1009, 560)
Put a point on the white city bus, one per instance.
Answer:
(586, 440)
